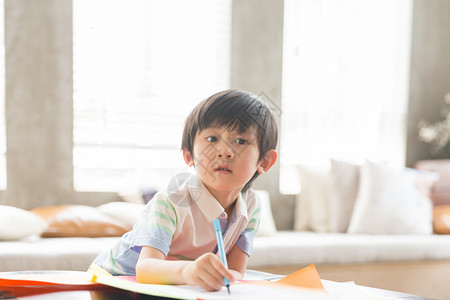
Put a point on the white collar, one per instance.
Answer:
(210, 207)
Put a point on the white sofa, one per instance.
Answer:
(290, 248)
(285, 249)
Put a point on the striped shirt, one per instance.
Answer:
(179, 223)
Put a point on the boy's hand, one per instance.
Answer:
(207, 271)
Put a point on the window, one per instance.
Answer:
(2, 101)
(139, 69)
(345, 82)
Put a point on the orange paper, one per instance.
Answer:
(35, 283)
(45, 278)
(306, 277)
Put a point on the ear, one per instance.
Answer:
(188, 157)
(267, 162)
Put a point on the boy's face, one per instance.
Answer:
(225, 160)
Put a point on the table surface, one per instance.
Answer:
(110, 293)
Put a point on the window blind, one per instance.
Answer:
(2, 100)
(139, 68)
(345, 83)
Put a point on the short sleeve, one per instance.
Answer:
(245, 240)
(156, 225)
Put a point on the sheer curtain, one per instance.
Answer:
(139, 68)
(345, 82)
(2, 100)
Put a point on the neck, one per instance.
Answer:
(226, 198)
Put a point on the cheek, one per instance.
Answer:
(201, 157)
(252, 158)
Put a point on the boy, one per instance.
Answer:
(229, 138)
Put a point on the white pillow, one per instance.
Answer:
(132, 197)
(124, 211)
(267, 225)
(311, 205)
(389, 202)
(16, 223)
(344, 184)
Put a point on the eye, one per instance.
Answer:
(212, 139)
(241, 141)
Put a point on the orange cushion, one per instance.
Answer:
(441, 219)
(79, 221)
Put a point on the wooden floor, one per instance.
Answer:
(424, 278)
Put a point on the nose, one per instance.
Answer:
(225, 151)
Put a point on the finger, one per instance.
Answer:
(214, 266)
(216, 269)
(210, 282)
(220, 268)
(206, 264)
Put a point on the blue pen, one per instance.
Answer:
(221, 250)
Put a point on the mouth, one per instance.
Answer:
(223, 169)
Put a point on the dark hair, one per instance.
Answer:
(235, 110)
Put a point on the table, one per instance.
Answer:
(109, 293)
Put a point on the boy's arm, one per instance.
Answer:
(237, 262)
(207, 271)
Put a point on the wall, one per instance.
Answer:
(38, 101)
(38, 105)
(430, 73)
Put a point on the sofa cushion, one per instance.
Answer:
(344, 185)
(441, 219)
(79, 221)
(16, 223)
(127, 212)
(267, 224)
(440, 195)
(389, 202)
(311, 205)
